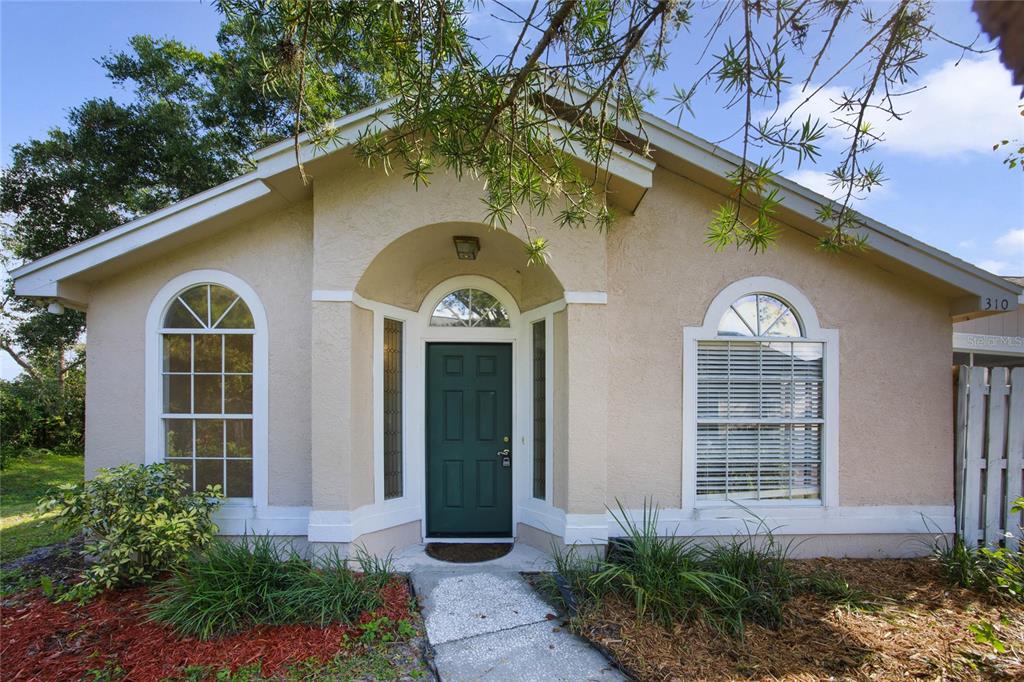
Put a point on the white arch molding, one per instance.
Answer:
(812, 331)
(260, 388)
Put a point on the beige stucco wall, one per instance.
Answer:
(895, 395)
(617, 368)
(408, 268)
(359, 213)
(273, 255)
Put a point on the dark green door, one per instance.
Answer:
(469, 434)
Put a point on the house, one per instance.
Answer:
(356, 361)
(991, 341)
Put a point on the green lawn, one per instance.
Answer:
(22, 483)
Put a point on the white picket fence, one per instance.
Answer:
(989, 454)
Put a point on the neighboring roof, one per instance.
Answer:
(65, 275)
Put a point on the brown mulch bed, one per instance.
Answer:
(468, 552)
(917, 629)
(44, 640)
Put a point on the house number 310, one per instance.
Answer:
(997, 303)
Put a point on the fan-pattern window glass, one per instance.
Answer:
(539, 412)
(207, 370)
(760, 407)
(469, 308)
(759, 315)
(392, 409)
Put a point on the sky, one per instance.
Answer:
(945, 185)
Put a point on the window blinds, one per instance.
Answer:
(760, 416)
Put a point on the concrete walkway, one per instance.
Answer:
(486, 623)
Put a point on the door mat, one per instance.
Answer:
(468, 552)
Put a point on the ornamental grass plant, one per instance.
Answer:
(257, 581)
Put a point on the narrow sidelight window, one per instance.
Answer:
(392, 409)
(540, 419)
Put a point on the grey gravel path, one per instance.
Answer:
(487, 623)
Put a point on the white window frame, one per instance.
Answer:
(154, 380)
(813, 332)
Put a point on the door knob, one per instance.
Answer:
(506, 457)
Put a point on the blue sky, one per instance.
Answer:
(946, 186)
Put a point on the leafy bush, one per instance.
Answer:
(999, 571)
(42, 414)
(140, 521)
(233, 586)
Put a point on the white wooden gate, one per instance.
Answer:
(989, 454)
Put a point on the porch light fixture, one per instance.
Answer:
(466, 248)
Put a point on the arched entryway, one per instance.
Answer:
(462, 415)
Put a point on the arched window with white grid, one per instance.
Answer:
(759, 387)
(207, 401)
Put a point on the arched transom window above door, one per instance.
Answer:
(469, 308)
(207, 374)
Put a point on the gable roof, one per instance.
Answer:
(65, 275)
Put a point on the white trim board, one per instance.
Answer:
(988, 344)
(587, 529)
(249, 520)
(586, 297)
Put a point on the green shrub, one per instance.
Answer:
(758, 562)
(729, 583)
(837, 590)
(139, 521)
(233, 586)
(996, 570)
(42, 414)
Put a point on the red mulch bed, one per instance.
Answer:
(42, 640)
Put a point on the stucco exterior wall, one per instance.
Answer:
(359, 213)
(273, 255)
(617, 368)
(895, 394)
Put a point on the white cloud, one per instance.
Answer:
(967, 244)
(963, 108)
(998, 267)
(819, 182)
(814, 180)
(1012, 241)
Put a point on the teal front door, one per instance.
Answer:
(469, 440)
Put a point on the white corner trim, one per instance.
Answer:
(586, 297)
(587, 529)
(348, 526)
(333, 295)
(543, 516)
